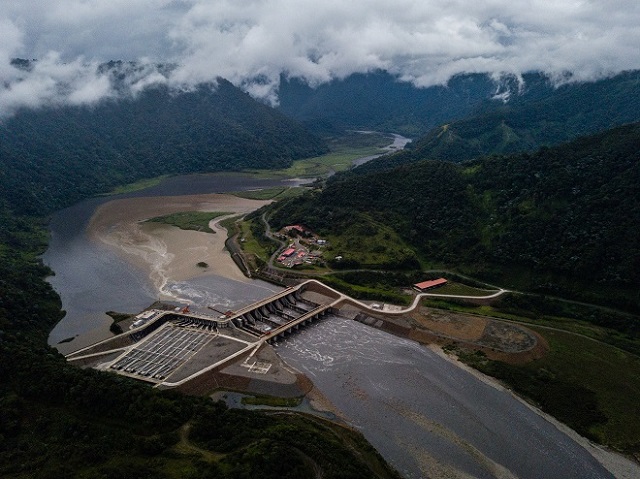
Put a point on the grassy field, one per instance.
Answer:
(251, 244)
(344, 150)
(572, 324)
(319, 165)
(277, 193)
(137, 186)
(229, 224)
(590, 386)
(192, 220)
(373, 293)
(460, 289)
(367, 243)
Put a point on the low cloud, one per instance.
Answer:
(253, 42)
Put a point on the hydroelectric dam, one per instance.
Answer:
(173, 348)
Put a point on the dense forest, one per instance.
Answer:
(52, 157)
(528, 121)
(380, 101)
(562, 220)
(559, 220)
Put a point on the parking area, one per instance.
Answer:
(162, 353)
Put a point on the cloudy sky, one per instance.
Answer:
(251, 42)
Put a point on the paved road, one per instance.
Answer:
(270, 235)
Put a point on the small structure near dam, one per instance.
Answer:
(176, 347)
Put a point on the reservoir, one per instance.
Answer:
(427, 416)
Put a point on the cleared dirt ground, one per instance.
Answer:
(502, 340)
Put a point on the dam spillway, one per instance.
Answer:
(171, 348)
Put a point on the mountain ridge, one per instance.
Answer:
(51, 157)
(525, 124)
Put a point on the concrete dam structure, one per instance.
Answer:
(172, 348)
(275, 318)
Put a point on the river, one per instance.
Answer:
(427, 417)
(399, 142)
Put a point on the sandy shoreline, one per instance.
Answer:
(165, 252)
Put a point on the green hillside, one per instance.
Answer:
(560, 221)
(527, 122)
(52, 157)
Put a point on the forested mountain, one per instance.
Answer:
(54, 156)
(379, 101)
(524, 123)
(562, 220)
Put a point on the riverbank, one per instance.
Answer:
(620, 466)
(168, 253)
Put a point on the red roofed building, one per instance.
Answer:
(288, 252)
(425, 285)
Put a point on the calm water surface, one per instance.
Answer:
(91, 279)
(399, 142)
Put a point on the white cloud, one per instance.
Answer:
(11, 42)
(252, 42)
(51, 82)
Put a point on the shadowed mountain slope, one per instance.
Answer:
(562, 220)
(525, 123)
(52, 157)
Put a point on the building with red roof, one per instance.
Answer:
(426, 285)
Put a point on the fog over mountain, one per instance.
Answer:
(252, 43)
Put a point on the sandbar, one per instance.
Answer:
(165, 252)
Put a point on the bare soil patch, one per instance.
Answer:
(512, 343)
(467, 328)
